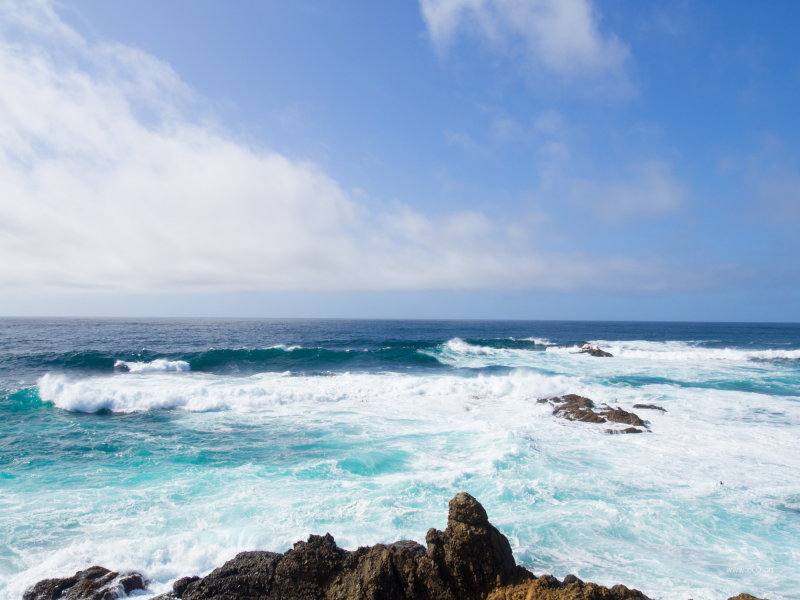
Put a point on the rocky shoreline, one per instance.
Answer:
(469, 560)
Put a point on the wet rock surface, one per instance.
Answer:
(586, 348)
(579, 408)
(469, 560)
(95, 583)
(650, 407)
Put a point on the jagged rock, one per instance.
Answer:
(579, 408)
(617, 415)
(548, 587)
(744, 597)
(650, 407)
(586, 348)
(469, 560)
(596, 352)
(627, 430)
(94, 583)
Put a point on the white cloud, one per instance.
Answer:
(559, 36)
(107, 186)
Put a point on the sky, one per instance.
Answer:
(520, 159)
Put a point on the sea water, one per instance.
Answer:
(167, 446)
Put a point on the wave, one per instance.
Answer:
(540, 341)
(157, 365)
(685, 351)
(200, 392)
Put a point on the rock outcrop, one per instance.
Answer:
(650, 407)
(469, 560)
(95, 583)
(586, 348)
(579, 408)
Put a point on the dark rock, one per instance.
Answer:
(179, 587)
(617, 415)
(596, 352)
(744, 597)
(619, 431)
(650, 407)
(576, 408)
(416, 549)
(94, 583)
(547, 587)
(469, 560)
(247, 575)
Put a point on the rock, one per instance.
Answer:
(416, 549)
(650, 407)
(95, 583)
(548, 587)
(247, 575)
(617, 415)
(595, 352)
(469, 560)
(619, 431)
(179, 587)
(578, 408)
(744, 597)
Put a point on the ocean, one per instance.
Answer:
(167, 446)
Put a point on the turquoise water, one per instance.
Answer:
(167, 446)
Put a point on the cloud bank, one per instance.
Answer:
(107, 184)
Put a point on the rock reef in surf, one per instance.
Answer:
(469, 560)
(573, 407)
(585, 348)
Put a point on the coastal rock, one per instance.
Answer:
(593, 351)
(94, 583)
(573, 407)
(617, 415)
(650, 407)
(744, 597)
(548, 587)
(247, 575)
(586, 348)
(469, 560)
(620, 431)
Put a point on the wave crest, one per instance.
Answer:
(158, 365)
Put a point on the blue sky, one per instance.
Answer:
(441, 158)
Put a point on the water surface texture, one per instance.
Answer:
(167, 446)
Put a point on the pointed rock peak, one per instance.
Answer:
(466, 509)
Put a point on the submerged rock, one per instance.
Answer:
(95, 583)
(650, 407)
(593, 351)
(469, 560)
(586, 348)
(628, 430)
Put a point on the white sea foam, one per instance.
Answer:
(570, 498)
(461, 353)
(540, 341)
(203, 392)
(157, 365)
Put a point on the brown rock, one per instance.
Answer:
(94, 583)
(617, 415)
(548, 587)
(650, 407)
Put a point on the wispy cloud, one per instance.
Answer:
(649, 191)
(107, 185)
(561, 37)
